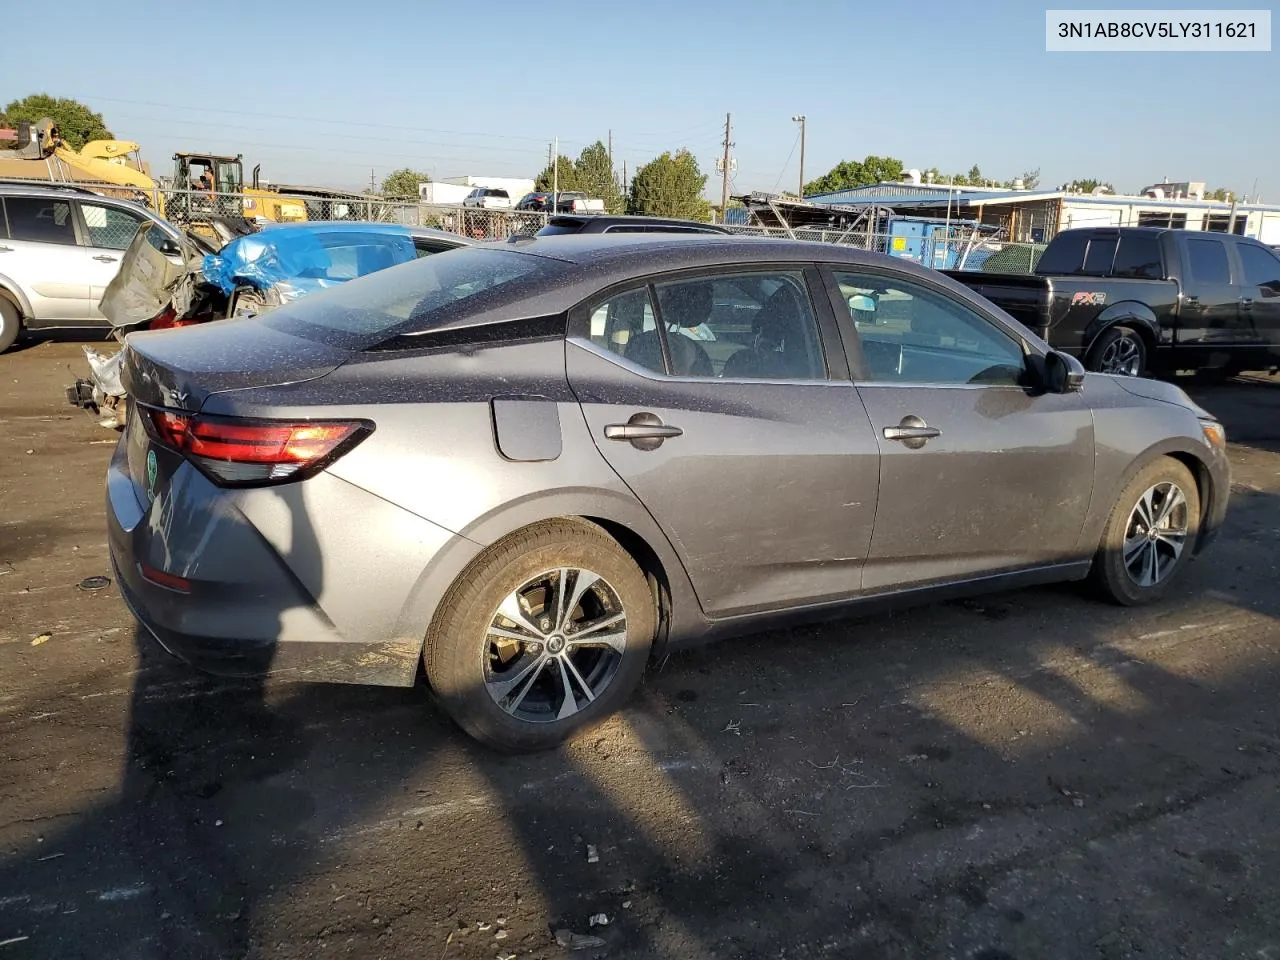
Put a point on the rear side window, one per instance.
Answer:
(44, 220)
(1065, 255)
(419, 296)
(1207, 261)
(1097, 259)
(1261, 267)
(1138, 258)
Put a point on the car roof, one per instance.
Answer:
(610, 220)
(654, 251)
(367, 227)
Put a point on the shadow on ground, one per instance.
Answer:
(1028, 775)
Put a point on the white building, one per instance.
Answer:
(1036, 215)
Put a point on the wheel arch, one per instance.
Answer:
(623, 520)
(1178, 449)
(1136, 316)
(11, 292)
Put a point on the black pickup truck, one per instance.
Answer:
(1130, 300)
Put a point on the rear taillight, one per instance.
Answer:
(238, 452)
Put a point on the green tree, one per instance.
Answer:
(567, 178)
(1222, 193)
(77, 122)
(1030, 180)
(670, 186)
(1087, 185)
(403, 184)
(593, 172)
(848, 174)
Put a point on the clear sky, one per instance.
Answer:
(325, 91)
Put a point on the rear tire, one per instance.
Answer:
(10, 323)
(504, 657)
(1120, 351)
(1149, 536)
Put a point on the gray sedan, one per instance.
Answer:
(528, 468)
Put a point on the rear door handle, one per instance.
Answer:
(644, 431)
(103, 258)
(1246, 301)
(912, 432)
(4, 249)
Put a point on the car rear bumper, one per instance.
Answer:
(249, 607)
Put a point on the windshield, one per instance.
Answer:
(418, 296)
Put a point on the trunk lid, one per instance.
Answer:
(180, 369)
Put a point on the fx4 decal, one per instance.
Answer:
(1088, 299)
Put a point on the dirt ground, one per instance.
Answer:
(1028, 775)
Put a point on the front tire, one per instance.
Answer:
(1121, 351)
(546, 633)
(1149, 536)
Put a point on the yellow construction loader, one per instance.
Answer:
(42, 154)
(209, 184)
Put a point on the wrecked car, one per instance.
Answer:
(163, 283)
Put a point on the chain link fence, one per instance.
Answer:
(956, 248)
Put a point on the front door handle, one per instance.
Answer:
(644, 431)
(103, 258)
(912, 432)
(1246, 301)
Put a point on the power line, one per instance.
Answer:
(777, 183)
(203, 109)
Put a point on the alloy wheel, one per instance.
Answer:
(1156, 534)
(1122, 356)
(554, 645)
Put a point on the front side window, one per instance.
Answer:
(910, 334)
(1207, 261)
(40, 219)
(1261, 268)
(109, 227)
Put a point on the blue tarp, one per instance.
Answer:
(302, 258)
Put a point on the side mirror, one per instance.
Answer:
(1063, 373)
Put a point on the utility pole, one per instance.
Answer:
(555, 178)
(373, 182)
(799, 118)
(724, 183)
(548, 155)
(610, 149)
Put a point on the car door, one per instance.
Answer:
(1209, 315)
(41, 258)
(107, 230)
(719, 399)
(978, 473)
(1260, 292)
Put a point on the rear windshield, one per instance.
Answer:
(418, 296)
(553, 229)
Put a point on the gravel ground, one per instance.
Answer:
(1028, 775)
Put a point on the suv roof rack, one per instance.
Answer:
(46, 185)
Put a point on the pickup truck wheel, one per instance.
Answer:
(1119, 350)
(10, 323)
(1149, 536)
